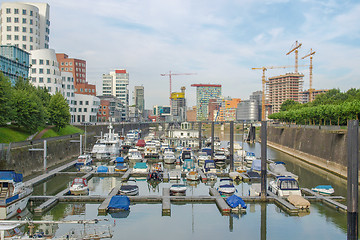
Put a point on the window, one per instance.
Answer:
(86, 102)
(8, 10)
(31, 47)
(71, 69)
(24, 38)
(85, 109)
(62, 63)
(16, 37)
(47, 62)
(31, 13)
(104, 113)
(48, 71)
(31, 22)
(24, 29)
(49, 89)
(62, 69)
(31, 39)
(16, 11)
(24, 11)
(49, 80)
(24, 20)
(8, 19)
(33, 70)
(41, 62)
(24, 46)
(68, 94)
(16, 28)
(33, 61)
(66, 69)
(41, 80)
(81, 89)
(41, 70)
(66, 63)
(8, 28)
(81, 103)
(8, 37)
(30, 30)
(33, 79)
(16, 20)
(80, 109)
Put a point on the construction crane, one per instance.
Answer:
(295, 48)
(172, 74)
(263, 80)
(310, 76)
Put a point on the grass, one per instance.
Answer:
(69, 129)
(13, 134)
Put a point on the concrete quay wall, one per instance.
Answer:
(322, 148)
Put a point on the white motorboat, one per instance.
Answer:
(135, 155)
(285, 186)
(108, 146)
(151, 151)
(211, 176)
(192, 175)
(140, 167)
(14, 195)
(174, 174)
(83, 160)
(323, 189)
(250, 156)
(178, 189)
(219, 157)
(226, 186)
(169, 158)
(129, 188)
(79, 186)
(255, 189)
(279, 169)
(209, 166)
(202, 157)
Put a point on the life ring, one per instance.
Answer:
(18, 210)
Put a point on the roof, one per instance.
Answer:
(206, 85)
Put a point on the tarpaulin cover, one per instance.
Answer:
(119, 160)
(256, 165)
(11, 175)
(234, 201)
(120, 202)
(102, 169)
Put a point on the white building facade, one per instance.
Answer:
(25, 25)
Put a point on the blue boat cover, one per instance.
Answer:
(256, 165)
(207, 150)
(234, 201)
(119, 160)
(120, 202)
(280, 162)
(10, 175)
(102, 169)
(324, 187)
(141, 165)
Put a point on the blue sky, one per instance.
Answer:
(219, 40)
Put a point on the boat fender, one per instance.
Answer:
(18, 210)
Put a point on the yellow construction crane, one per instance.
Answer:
(310, 76)
(263, 80)
(295, 48)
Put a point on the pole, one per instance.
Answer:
(200, 137)
(263, 221)
(352, 181)
(85, 139)
(45, 152)
(212, 138)
(231, 146)
(81, 145)
(263, 159)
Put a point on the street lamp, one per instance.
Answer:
(85, 124)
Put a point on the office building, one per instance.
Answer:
(305, 94)
(14, 62)
(178, 105)
(204, 92)
(247, 110)
(139, 102)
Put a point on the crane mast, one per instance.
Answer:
(311, 74)
(295, 48)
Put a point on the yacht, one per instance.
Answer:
(107, 146)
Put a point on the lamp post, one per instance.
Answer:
(85, 124)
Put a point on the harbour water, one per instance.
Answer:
(203, 221)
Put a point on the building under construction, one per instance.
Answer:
(281, 88)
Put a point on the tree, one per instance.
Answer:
(5, 100)
(59, 114)
(289, 104)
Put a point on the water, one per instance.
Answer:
(201, 221)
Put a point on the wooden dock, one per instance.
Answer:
(327, 200)
(281, 202)
(202, 174)
(165, 175)
(104, 205)
(166, 204)
(126, 176)
(220, 202)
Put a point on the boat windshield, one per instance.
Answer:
(290, 184)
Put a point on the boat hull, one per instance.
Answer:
(10, 210)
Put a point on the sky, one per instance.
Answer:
(217, 40)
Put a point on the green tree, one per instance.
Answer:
(5, 100)
(289, 104)
(28, 110)
(59, 114)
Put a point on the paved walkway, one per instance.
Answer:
(38, 136)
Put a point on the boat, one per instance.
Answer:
(12, 230)
(140, 167)
(209, 166)
(202, 157)
(250, 156)
(102, 169)
(86, 168)
(188, 165)
(226, 186)
(134, 155)
(83, 160)
(256, 166)
(129, 188)
(178, 189)
(298, 201)
(323, 189)
(14, 195)
(236, 176)
(140, 144)
(254, 176)
(164, 146)
(155, 176)
(174, 174)
(284, 186)
(119, 203)
(108, 146)
(79, 186)
(169, 157)
(279, 169)
(255, 190)
(192, 175)
(219, 157)
(210, 176)
(236, 203)
(151, 150)
(120, 165)
(186, 153)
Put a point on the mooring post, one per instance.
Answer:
(263, 221)
(81, 144)
(212, 138)
(352, 179)
(263, 159)
(232, 146)
(200, 137)
(45, 153)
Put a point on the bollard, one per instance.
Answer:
(352, 180)
(263, 159)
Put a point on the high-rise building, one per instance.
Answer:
(204, 92)
(247, 110)
(178, 105)
(139, 100)
(283, 87)
(25, 25)
(116, 84)
(14, 62)
(257, 96)
(305, 94)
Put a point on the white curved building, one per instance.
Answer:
(25, 25)
(44, 71)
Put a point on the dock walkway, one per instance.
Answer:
(327, 200)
